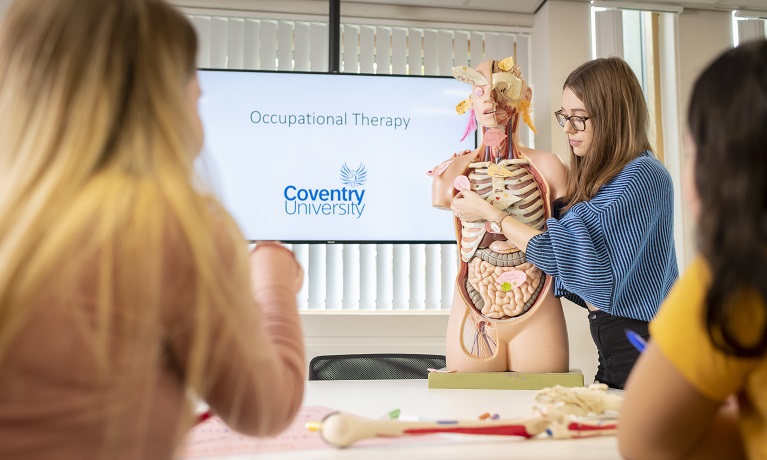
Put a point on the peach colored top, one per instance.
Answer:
(51, 409)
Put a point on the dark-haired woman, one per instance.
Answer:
(710, 337)
(611, 250)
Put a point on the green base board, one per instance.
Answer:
(505, 380)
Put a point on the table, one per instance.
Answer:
(374, 398)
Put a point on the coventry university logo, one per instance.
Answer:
(354, 178)
(320, 201)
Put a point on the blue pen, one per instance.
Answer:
(636, 340)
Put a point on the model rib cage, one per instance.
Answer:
(512, 187)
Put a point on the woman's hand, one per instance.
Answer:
(272, 261)
(470, 207)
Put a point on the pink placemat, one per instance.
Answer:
(213, 438)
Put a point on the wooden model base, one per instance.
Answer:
(505, 380)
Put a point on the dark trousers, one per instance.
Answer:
(616, 354)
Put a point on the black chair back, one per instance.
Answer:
(379, 366)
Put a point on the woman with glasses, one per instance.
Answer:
(611, 247)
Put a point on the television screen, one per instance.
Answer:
(318, 157)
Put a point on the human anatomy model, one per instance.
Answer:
(504, 315)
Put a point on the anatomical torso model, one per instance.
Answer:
(504, 315)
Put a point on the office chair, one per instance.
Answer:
(383, 366)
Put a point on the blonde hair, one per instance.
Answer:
(96, 177)
(618, 114)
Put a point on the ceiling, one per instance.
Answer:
(530, 6)
(503, 6)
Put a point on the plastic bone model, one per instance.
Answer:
(504, 315)
(561, 413)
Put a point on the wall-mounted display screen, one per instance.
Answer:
(317, 157)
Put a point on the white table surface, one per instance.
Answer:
(373, 398)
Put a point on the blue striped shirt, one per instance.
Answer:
(615, 251)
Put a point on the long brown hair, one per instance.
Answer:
(727, 120)
(619, 118)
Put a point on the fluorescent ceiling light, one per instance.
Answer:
(657, 7)
(750, 14)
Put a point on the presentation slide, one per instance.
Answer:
(315, 157)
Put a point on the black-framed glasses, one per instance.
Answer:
(578, 123)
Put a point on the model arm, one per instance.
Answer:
(663, 416)
(469, 206)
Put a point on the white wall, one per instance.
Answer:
(701, 36)
(561, 42)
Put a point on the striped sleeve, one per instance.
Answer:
(615, 251)
(573, 251)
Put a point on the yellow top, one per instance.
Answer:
(679, 330)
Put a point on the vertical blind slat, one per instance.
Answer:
(367, 277)
(506, 45)
(351, 269)
(461, 48)
(302, 45)
(430, 53)
(333, 276)
(367, 49)
(383, 50)
(218, 46)
(476, 48)
(319, 54)
(235, 43)
(449, 270)
(493, 47)
(351, 49)
(417, 276)
(400, 277)
(252, 58)
(384, 267)
(268, 42)
(399, 51)
(415, 52)
(284, 45)
(521, 56)
(445, 52)
(201, 25)
(432, 278)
